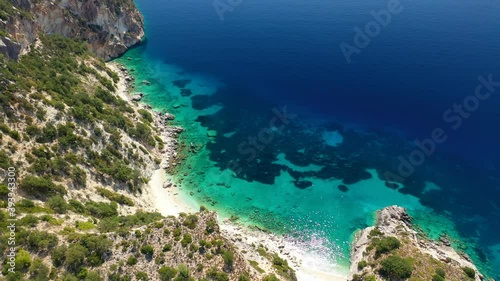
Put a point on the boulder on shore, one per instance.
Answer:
(169, 116)
(137, 96)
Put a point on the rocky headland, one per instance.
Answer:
(109, 27)
(394, 250)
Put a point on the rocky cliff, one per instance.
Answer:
(394, 250)
(109, 27)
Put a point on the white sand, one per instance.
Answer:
(168, 201)
(308, 265)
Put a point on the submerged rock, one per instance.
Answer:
(181, 83)
(211, 133)
(391, 185)
(169, 116)
(177, 129)
(343, 188)
(186, 92)
(302, 184)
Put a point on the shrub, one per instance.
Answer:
(214, 274)
(131, 260)
(186, 239)
(385, 245)
(33, 130)
(102, 210)
(40, 186)
(228, 257)
(126, 222)
(38, 270)
(141, 275)
(29, 220)
(146, 115)
(58, 204)
(177, 232)
(441, 272)
(362, 264)
(93, 276)
(79, 177)
(5, 162)
(471, 273)
(39, 241)
(166, 248)
(85, 225)
(59, 256)
(167, 273)
(244, 277)
(211, 226)
(357, 277)
(97, 247)
(23, 260)
(147, 250)
(48, 134)
(74, 257)
(370, 278)
(190, 221)
(15, 135)
(396, 267)
(116, 197)
(76, 206)
(437, 277)
(183, 273)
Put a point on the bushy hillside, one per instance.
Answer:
(75, 160)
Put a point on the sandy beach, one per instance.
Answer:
(167, 201)
(308, 265)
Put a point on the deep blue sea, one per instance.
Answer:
(426, 73)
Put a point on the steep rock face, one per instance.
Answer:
(367, 252)
(9, 48)
(110, 27)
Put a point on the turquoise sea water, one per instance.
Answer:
(321, 212)
(319, 171)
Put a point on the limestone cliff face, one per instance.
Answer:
(110, 27)
(375, 244)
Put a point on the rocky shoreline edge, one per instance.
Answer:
(427, 255)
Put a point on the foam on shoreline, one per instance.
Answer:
(308, 264)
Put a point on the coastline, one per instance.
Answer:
(171, 201)
(308, 265)
(168, 201)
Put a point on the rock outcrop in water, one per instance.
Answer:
(110, 27)
(394, 250)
